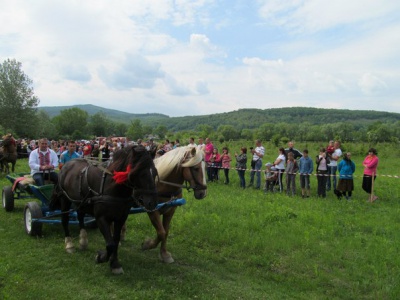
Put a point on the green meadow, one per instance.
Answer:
(234, 244)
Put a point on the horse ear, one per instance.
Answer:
(193, 152)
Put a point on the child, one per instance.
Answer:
(291, 169)
(305, 168)
(215, 165)
(270, 178)
(226, 163)
(346, 169)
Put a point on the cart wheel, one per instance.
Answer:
(8, 198)
(32, 211)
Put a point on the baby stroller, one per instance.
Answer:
(271, 180)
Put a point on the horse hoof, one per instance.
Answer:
(101, 257)
(69, 246)
(147, 244)
(117, 271)
(167, 258)
(83, 240)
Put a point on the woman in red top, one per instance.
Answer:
(215, 160)
(370, 164)
(226, 163)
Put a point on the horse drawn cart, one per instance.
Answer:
(36, 214)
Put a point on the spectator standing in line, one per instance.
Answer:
(258, 154)
(280, 166)
(305, 168)
(166, 148)
(322, 162)
(177, 144)
(201, 144)
(241, 165)
(337, 153)
(346, 169)
(43, 162)
(208, 150)
(291, 170)
(215, 164)
(270, 178)
(296, 153)
(226, 163)
(370, 164)
(192, 143)
(329, 151)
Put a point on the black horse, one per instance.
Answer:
(107, 194)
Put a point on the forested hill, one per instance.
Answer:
(253, 118)
(243, 118)
(112, 114)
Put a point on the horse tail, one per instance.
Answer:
(55, 199)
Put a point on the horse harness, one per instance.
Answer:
(93, 195)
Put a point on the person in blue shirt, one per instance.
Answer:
(69, 154)
(306, 168)
(346, 170)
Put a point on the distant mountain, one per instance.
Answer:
(112, 114)
(250, 118)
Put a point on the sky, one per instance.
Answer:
(201, 57)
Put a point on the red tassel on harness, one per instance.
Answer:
(122, 177)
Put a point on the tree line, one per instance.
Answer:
(19, 115)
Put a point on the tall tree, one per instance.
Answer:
(135, 131)
(71, 120)
(17, 100)
(99, 124)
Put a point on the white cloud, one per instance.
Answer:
(173, 57)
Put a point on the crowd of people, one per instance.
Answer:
(280, 176)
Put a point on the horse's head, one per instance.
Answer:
(142, 177)
(134, 167)
(194, 172)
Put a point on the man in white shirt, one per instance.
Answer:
(43, 162)
(334, 157)
(192, 143)
(256, 164)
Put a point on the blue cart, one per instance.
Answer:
(36, 214)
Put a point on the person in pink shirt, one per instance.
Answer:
(215, 164)
(208, 150)
(226, 163)
(370, 164)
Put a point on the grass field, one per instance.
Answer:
(234, 244)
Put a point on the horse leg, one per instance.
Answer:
(162, 228)
(105, 229)
(123, 232)
(116, 267)
(155, 219)
(83, 239)
(65, 206)
(166, 256)
(112, 241)
(13, 167)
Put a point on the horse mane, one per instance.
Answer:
(169, 161)
(130, 155)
